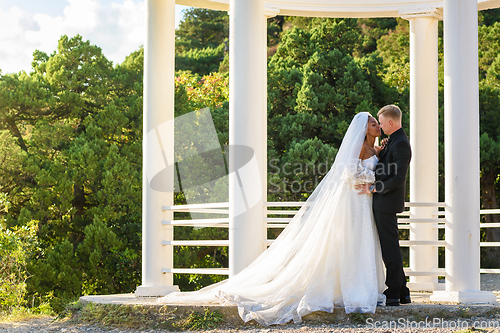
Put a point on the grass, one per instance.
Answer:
(23, 313)
(120, 316)
(139, 317)
(359, 318)
(198, 321)
(117, 316)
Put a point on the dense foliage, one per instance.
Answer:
(315, 86)
(71, 141)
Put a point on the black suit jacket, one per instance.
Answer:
(390, 174)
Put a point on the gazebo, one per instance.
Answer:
(248, 121)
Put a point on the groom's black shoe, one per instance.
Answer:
(392, 302)
(405, 300)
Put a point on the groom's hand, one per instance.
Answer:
(363, 188)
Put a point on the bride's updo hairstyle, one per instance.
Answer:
(391, 111)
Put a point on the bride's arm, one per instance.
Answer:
(357, 174)
(363, 179)
(364, 174)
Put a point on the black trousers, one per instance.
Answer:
(387, 227)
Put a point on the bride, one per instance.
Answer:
(328, 255)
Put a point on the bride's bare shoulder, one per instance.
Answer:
(366, 153)
(362, 153)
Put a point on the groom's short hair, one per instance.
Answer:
(391, 111)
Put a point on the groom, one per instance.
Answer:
(388, 200)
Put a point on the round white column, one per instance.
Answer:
(461, 102)
(159, 61)
(247, 128)
(424, 143)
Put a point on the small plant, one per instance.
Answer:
(15, 248)
(359, 318)
(464, 313)
(70, 309)
(416, 315)
(198, 321)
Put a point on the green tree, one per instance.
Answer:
(489, 102)
(200, 61)
(79, 157)
(372, 29)
(201, 40)
(315, 87)
(489, 17)
(56, 273)
(201, 28)
(395, 46)
(274, 29)
(489, 47)
(99, 253)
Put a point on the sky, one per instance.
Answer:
(116, 26)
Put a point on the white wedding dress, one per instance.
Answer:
(329, 254)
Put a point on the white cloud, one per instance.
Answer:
(118, 28)
(13, 44)
(83, 15)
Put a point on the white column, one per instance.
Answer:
(247, 128)
(157, 182)
(461, 114)
(424, 144)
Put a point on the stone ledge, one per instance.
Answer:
(420, 309)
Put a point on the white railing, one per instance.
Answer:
(489, 244)
(281, 222)
(208, 208)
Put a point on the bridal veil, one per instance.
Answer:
(327, 256)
